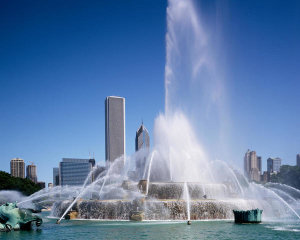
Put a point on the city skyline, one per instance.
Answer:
(61, 64)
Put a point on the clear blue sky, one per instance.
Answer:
(60, 59)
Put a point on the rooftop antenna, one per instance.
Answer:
(93, 155)
(89, 155)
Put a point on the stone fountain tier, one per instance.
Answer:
(174, 190)
(167, 209)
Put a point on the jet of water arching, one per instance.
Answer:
(281, 199)
(290, 187)
(149, 171)
(103, 184)
(284, 188)
(43, 193)
(107, 175)
(280, 192)
(33, 198)
(82, 191)
(146, 167)
(234, 176)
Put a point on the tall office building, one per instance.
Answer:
(142, 144)
(56, 176)
(252, 165)
(259, 164)
(17, 167)
(31, 173)
(114, 128)
(142, 139)
(298, 160)
(273, 165)
(74, 171)
(247, 163)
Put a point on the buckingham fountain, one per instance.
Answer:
(178, 180)
(178, 183)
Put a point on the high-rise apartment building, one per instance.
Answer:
(252, 166)
(114, 128)
(17, 167)
(31, 172)
(74, 171)
(273, 165)
(56, 176)
(298, 160)
(247, 163)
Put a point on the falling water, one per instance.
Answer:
(149, 172)
(187, 200)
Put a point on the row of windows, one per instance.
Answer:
(74, 173)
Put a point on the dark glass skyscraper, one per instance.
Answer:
(114, 128)
(259, 164)
(56, 176)
(74, 171)
(142, 144)
(142, 138)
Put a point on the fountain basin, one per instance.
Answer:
(154, 209)
(249, 216)
(136, 216)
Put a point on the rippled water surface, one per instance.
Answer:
(80, 229)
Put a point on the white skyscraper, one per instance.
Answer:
(114, 128)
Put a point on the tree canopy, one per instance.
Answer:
(26, 186)
(289, 175)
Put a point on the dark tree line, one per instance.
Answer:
(26, 186)
(289, 175)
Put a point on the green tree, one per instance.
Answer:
(26, 186)
(289, 175)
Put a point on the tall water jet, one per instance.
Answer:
(187, 200)
(170, 164)
(194, 79)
